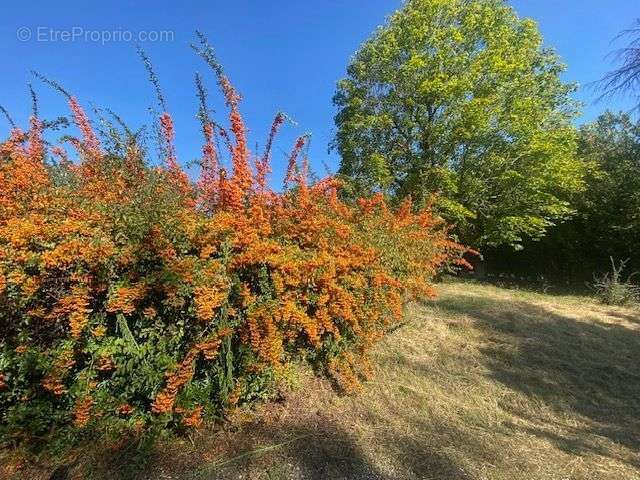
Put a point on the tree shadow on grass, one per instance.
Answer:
(304, 453)
(261, 453)
(307, 442)
(585, 367)
(325, 451)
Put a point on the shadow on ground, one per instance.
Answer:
(586, 367)
(329, 452)
(314, 444)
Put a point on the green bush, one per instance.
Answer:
(612, 290)
(134, 301)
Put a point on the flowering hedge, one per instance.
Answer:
(133, 299)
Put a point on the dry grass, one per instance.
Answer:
(484, 383)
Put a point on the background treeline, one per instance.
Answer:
(606, 222)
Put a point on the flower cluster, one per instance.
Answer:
(132, 296)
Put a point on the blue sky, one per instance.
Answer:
(284, 55)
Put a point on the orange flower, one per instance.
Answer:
(262, 165)
(293, 158)
(207, 183)
(193, 418)
(53, 384)
(235, 395)
(90, 143)
(124, 299)
(99, 331)
(75, 306)
(82, 411)
(163, 403)
(105, 364)
(125, 409)
(36, 148)
(176, 174)
(207, 300)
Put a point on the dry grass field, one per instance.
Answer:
(483, 383)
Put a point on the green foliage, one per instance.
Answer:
(611, 144)
(612, 289)
(460, 99)
(607, 218)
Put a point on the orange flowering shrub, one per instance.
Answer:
(132, 297)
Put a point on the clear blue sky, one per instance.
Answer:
(284, 55)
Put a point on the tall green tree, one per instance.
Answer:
(459, 98)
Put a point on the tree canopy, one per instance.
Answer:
(460, 99)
